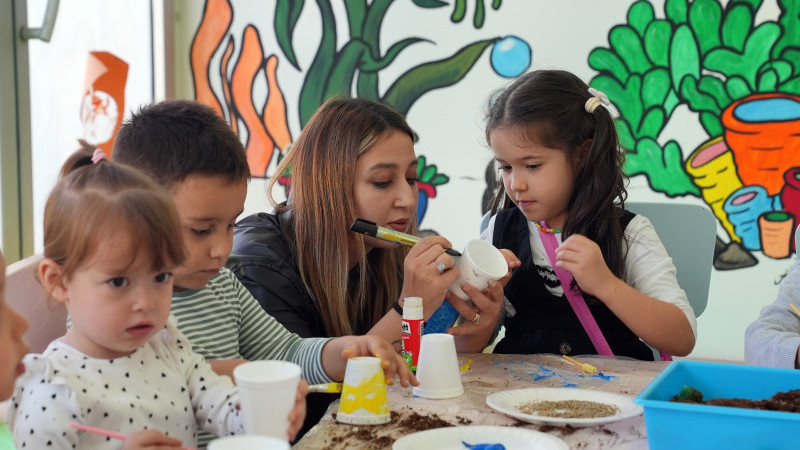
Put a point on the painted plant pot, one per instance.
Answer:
(762, 132)
(790, 194)
(777, 228)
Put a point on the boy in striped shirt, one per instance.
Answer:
(190, 150)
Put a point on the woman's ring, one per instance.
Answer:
(477, 318)
(440, 266)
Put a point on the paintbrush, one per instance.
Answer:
(586, 367)
(107, 433)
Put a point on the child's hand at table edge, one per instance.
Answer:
(392, 363)
(150, 440)
(298, 414)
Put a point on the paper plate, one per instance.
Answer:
(479, 437)
(508, 402)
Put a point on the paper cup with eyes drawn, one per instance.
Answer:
(479, 264)
(364, 400)
(267, 391)
(438, 372)
(248, 442)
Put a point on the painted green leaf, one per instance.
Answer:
(312, 94)
(768, 81)
(737, 87)
(655, 87)
(356, 13)
(286, 14)
(697, 101)
(714, 87)
(754, 4)
(790, 22)
(626, 140)
(480, 14)
(372, 65)
(367, 86)
(684, 56)
(736, 27)
(711, 124)
(746, 64)
(433, 75)
(704, 19)
(428, 172)
(663, 167)
(657, 40)
(672, 101)
(340, 80)
(626, 97)
(440, 179)
(783, 69)
(640, 15)
(496, 4)
(676, 11)
(791, 86)
(604, 60)
(429, 3)
(459, 11)
(793, 56)
(652, 124)
(626, 44)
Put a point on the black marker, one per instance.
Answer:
(372, 229)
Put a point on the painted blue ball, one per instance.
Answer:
(511, 56)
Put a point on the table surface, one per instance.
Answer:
(483, 374)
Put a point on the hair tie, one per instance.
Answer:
(598, 98)
(98, 155)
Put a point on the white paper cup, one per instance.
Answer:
(364, 400)
(248, 442)
(267, 391)
(438, 372)
(479, 264)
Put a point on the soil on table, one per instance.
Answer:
(788, 401)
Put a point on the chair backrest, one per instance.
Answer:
(688, 232)
(47, 318)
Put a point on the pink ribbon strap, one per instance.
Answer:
(575, 298)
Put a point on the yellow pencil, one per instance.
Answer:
(586, 367)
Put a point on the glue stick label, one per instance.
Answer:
(412, 334)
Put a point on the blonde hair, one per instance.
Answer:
(322, 163)
(93, 202)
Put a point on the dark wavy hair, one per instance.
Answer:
(547, 107)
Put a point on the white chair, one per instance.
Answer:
(47, 318)
(688, 232)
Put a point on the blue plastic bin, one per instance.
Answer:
(672, 425)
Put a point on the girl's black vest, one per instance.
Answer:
(544, 323)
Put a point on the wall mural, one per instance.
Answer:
(740, 77)
(352, 69)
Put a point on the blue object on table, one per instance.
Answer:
(442, 319)
(672, 425)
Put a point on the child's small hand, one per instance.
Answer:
(392, 363)
(582, 257)
(298, 414)
(512, 261)
(150, 440)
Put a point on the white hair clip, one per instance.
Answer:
(598, 98)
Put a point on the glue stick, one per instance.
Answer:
(413, 326)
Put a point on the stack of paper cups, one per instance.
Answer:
(438, 372)
(364, 400)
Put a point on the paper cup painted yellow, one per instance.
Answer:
(364, 400)
(479, 264)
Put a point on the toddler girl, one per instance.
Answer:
(112, 238)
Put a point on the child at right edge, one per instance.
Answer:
(560, 209)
